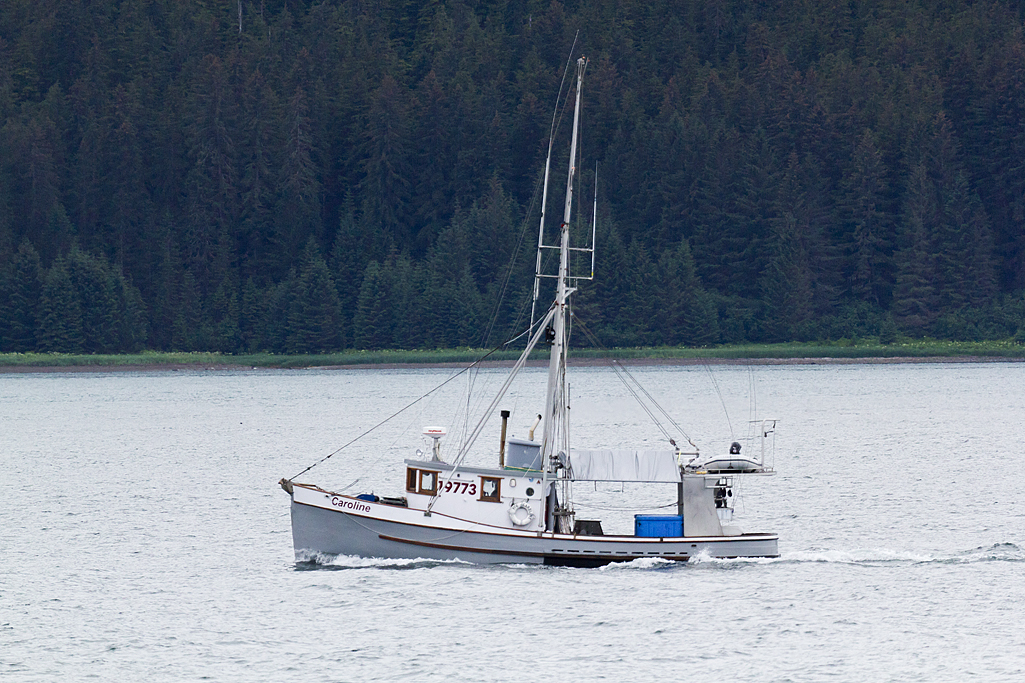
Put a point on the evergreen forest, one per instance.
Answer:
(301, 176)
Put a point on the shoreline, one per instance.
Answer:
(578, 362)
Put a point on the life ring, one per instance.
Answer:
(521, 514)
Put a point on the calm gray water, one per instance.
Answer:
(144, 536)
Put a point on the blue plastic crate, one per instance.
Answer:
(658, 526)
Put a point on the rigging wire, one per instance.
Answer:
(516, 323)
(722, 402)
(486, 336)
(623, 374)
(525, 333)
(464, 449)
(752, 402)
(493, 321)
(399, 412)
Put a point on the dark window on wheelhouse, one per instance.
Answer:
(491, 489)
(411, 477)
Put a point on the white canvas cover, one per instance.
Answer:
(610, 465)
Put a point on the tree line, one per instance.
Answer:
(299, 176)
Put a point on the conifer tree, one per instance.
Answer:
(787, 283)
(639, 316)
(432, 192)
(131, 329)
(225, 335)
(164, 301)
(404, 285)
(866, 224)
(58, 236)
(251, 316)
(297, 212)
(469, 318)
(372, 324)
(23, 291)
(355, 245)
(685, 314)
(212, 184)
(914, 297)
(315, 318)
(385, 182)
(259, 112)
(612, 283)
(274, 333)
(93, 286)
(41, 163)
(125, 184)
(189, 333)
(60, 315)
(982, 278)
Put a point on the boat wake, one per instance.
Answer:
(311, 561)
(864, 557)
(883, 557)
(643, 563)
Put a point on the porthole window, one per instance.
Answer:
(491, 489)
(530, 491)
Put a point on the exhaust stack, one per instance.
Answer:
(536, 423)
(501, 449)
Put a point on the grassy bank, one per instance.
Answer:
(159, 359)
(906, 349)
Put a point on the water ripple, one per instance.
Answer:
(156, 546)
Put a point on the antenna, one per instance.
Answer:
(594, 219)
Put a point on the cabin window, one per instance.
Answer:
(421, 481)
(491, 489)
(428, 482)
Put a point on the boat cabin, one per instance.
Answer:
(504, 498)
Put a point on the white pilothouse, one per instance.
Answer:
(522, 510)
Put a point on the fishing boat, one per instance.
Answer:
(522, 510)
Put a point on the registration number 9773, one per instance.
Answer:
(460, 487)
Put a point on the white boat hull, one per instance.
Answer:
(393, 532)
